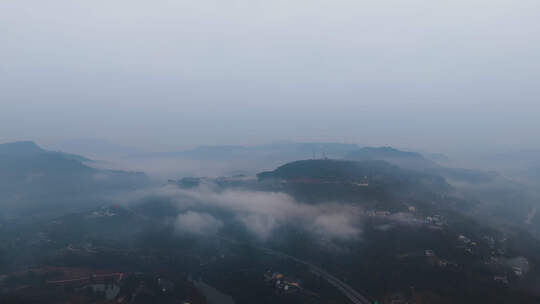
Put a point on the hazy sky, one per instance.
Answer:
(438, 75)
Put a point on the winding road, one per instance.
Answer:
(353, 295)
(349, 292)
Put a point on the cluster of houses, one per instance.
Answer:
(103, 212)
(496, 259)
(378, 213)
(435, 221)
(433, 259)
(467, 244)
(282, 283)
(82, 248)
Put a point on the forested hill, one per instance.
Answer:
(343, 170)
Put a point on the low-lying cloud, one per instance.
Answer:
(260, 212)
(197, 223)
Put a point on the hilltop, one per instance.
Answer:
(376, 172)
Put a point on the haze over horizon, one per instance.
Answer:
(269, 152)
(449, 77)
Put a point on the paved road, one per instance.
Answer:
(345, 288)
(353, 295)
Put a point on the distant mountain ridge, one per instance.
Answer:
(409, 160)
(416, 161)
(32, 178)
(20, 147)
(97, 148)
(28, 148)
(386, 152)
(281, 150)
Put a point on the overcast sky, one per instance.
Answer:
(437, 75)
